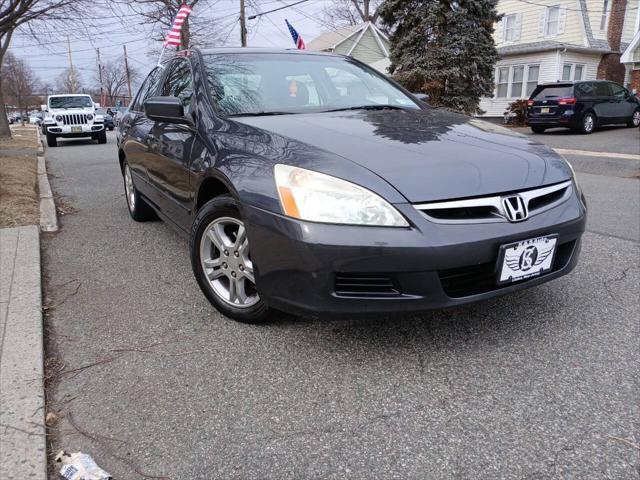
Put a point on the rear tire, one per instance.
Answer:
(588, 124)
(138, 208)
(102, 137)
(635, 119)
(219, 223)
(51, 140)
(537, 129)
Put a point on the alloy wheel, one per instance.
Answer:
(636, 118)
(588, 123)
(129, 188)
(226, 262)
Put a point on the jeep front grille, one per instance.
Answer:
(492, 209)
(74, 119)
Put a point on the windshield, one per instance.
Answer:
(78, 101)
(296, 83)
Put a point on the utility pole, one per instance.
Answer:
(102, 99)
(126, 67)
(72, 73)
(243, 24)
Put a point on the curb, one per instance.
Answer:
(48, 216)
(22, 412)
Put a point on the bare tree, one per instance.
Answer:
(18, 82)
(351, 12)
(198, 29)
(24, 14)
(69, 81)
(114, 79)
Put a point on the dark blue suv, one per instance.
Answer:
(582, 106)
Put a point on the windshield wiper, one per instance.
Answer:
(367, 107)
(259, 114)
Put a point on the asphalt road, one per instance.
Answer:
(540, 384)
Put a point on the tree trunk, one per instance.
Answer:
(5, 131)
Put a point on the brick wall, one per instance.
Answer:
(635, 81)
(610, 67)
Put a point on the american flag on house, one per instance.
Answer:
(173, 37)
(297, 39)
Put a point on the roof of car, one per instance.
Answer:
(566, 83)
(260, 50)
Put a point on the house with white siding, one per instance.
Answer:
(556, 40)
(365, 42)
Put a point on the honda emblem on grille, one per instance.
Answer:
(515, 208)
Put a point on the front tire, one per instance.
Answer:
(635, 119)
(221, 261)
(138, 208)
(51, 140)
(102, 137)
(588, 123)
(537, 129)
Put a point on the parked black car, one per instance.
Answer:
(582, 106)
(310, 183)
(108, 118)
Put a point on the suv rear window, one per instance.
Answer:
(541, 92)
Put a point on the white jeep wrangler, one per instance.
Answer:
(72, 116)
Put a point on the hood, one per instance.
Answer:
(426, 155)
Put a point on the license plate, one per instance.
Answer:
(526, 259)
(544, 110)
(76, 129)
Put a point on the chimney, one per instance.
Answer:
(610, 67)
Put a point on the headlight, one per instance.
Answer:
(317, 197)
(58, 118)
(89, 117)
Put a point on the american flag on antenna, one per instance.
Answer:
(173, 37)
(297, 39)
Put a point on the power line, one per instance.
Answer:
(276, 9)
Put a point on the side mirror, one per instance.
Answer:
(423, 97)
(43, 108)
(165, 109)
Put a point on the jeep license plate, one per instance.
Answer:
(76, 129)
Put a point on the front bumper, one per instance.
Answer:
(75, 130)
(299, 265)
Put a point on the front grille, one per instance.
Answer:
(477, 279)
(492, 209)
(365, 285)
(74, 119)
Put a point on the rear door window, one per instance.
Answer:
(602, 89)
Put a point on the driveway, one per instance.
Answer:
(154, 383)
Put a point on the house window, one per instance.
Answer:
(516, 84)
(605, 14)
(572, 71)
(503, 82)
(517, 81)
(512, 25)
(553, 17)
(532, 79)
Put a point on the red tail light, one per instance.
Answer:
(530, 103)
(567, 101)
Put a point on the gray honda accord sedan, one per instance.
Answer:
(310, 183)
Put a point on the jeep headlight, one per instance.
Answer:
(58, 118)
(316, 197)
(90, 117)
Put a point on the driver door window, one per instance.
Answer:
(179, 84)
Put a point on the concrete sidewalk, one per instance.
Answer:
(22, 432)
